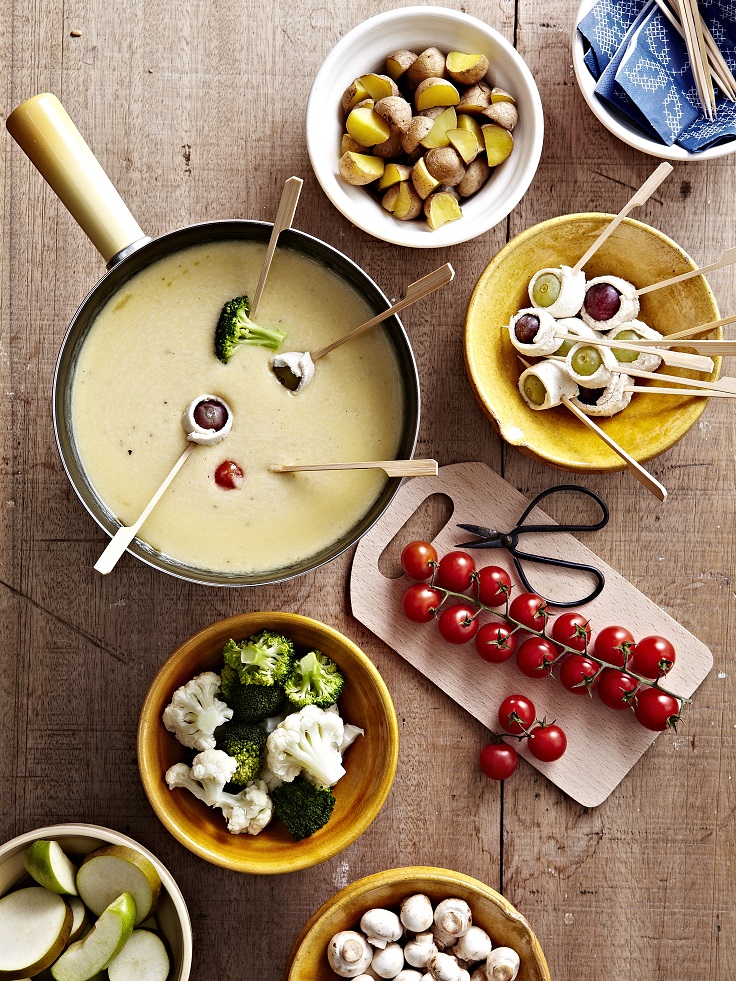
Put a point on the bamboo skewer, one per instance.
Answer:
(719, 70)
(643, 194)
(727, 259)
(676, 359)
(704, 328)
(394, 468)
(282, 221)
(724, 383)
(634, 468)
(695, 49)
(689, 392)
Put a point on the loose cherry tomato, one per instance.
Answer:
(455, 570)
(653, 656)
(577, 672)
(655, 710)
(529, 610)
(458, 624)
(495, 642)
(614, 644)
(613, 686)
(516, 705)
(420, 602)
(535, 656)
(494, 585)
(418, 560)
(547, 742)
(498, 761)
(229, 476)
(572, 630)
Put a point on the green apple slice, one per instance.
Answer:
(49, 866)
(89, 956)
(115, 869)
(143, 958)
(34, 928)
(80, 918)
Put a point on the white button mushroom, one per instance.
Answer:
(502, 964)
(479, 974)
(408, 975)
(416, 913)
(349, 953)
(389, 961)
(453, 917)
(418, 951)
(445, 967)
(473, 946)
(381, 927)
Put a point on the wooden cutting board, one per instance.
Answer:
(603, 744)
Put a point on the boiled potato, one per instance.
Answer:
(360, 168)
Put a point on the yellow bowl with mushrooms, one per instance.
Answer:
(506, 927)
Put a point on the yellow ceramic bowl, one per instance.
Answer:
(80, 839)
(503, 923)
(650, 424)
(370, 762)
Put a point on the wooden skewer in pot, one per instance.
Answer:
(689, 392)
(295, 369)
(394, 468)
(727, 259)
(702, 329)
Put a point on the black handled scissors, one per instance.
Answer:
(490, 538)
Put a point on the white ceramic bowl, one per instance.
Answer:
(617, 123)
(364, 49)
(79, 839)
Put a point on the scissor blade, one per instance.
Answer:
(480, 530)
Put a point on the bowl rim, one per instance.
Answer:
(441, 876)
(452, 233)
(111, 836)
(147, 761)
(616, 124)
(617, 464)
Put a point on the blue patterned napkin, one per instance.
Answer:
(642, 69)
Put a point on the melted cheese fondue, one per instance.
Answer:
(151, 351)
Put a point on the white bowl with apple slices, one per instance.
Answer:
(77, 841)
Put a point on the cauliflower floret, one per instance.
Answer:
(253, 809)
(250, 810)
(195, 711)
(270, 780)
(350, 732)
(307, 742)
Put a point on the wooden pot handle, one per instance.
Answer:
(44, 131)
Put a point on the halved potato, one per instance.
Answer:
(464, 121)
(348, 143)
(501, 95)
(466, 68)
(422, 180)
(499, 143)
(435, 92)
(437, 136)
(503, 113)
(394, 173)
(398, 62)
(440, 208)
(419, 128)
(465, 143)
(366, 127)
(475, 99)
(475, 177)
(445, 165)
(391, 148)
(408, 203)
(395, 111)
(429, 64)
(353, 94)
(360, 168)
(378, 86)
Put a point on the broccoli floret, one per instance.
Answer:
(245, 744)
(250, 703)
(314, 680)
(264, 658)
(235, 328)
(302, 807)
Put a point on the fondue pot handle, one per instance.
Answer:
(43, 129)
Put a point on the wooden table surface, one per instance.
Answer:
(196, 111)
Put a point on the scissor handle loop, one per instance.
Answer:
(578, 566)
(552, 490)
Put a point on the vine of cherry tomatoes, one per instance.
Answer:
(624, 673)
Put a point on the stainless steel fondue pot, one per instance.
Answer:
(45, 132)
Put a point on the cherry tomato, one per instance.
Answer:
(420, 602)
(575, 670)
(418, 560)
(228, 475)
(458, 624)
(613, 644)
(547, 742)
(572, 630)
(653, 656)
(613, 686)
(495, 642)
(655, 710)
(494, 585)
(529, 610)
(535, 656)
(455, 570)
(516, 705)
(498, 761)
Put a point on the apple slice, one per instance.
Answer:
(87, 957)
(80, 918)
(34, 928)
(107, 872)
(143, 958)
(48, 865)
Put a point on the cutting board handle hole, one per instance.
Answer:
(425, 523)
